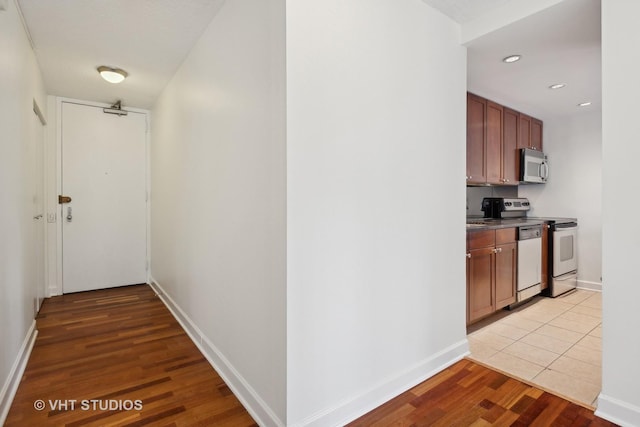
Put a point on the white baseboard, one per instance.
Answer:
(354, 407)
(591, 286)
(259, 410)
(617, 411)
(10, 386)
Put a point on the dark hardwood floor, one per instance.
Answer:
(468, 394)
(123, 347)
(120, 348)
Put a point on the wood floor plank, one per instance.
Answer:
(469, 394)
(119, 345)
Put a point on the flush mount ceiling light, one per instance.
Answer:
(511, 58)
(112, 75)
(557, 86)
(584, 104)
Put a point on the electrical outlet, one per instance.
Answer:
(51, 217)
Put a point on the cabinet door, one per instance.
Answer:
(505, 274)
(476, 139)
(494, 143)
(524, 133)
(510, 151)
(480, 283)
(536, 134)
(544, 266)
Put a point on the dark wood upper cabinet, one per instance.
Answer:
(495, 135)
(476, 139)
(494, 143)
(536, 134)
(510, 152)
(524, 131)
(530, 133)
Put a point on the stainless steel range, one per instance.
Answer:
(563, 257)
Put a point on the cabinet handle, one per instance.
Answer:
(468, 255)
(499, 249)
(470, 177)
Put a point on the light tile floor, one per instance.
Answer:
(554, 343)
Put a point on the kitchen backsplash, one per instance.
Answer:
(476, 194)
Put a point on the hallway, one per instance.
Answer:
(119, 348)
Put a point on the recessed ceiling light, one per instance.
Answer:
(511, 58)
(557, 86)
(112, 75)
(584, 104)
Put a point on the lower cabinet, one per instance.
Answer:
(492, 257)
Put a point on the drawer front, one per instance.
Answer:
(506, 235)
(481, 239)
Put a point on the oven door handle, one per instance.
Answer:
(573, 227)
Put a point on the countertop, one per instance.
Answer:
(479, 223)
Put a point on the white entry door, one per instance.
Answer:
(104, 227)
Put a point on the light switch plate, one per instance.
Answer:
(51, 217)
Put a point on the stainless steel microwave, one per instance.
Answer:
(533, 166)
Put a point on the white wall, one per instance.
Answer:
(620, 397)
(574, 189)
(218, 200)
(20, 85)
(376, 194)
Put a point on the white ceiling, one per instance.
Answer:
(147, 38)
(463, 11)
(150, 38)
(560, 44)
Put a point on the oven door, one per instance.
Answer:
(565, 259)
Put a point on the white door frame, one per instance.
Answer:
(41, 239)
(54, 207)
